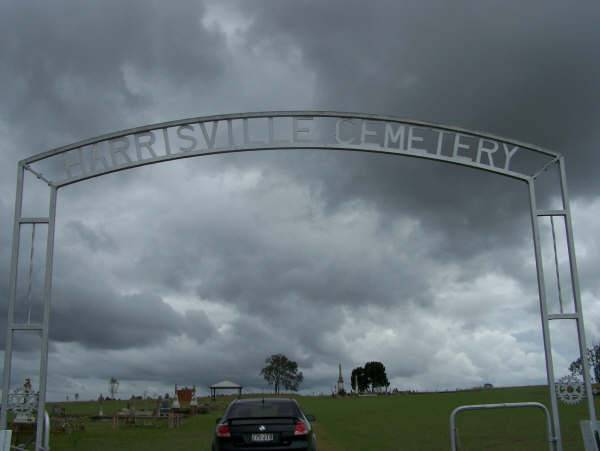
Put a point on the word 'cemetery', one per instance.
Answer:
(285, 132)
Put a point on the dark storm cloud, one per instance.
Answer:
(256, 270)
(237, 353)
(100, 318)
(76, 67)
(94, 240)
(240, 253)
(521, 70)
(238, 249)
(87, 310)
(524, 70)
(198, 326)
(79, 70)
(317, 255)
(475, 209)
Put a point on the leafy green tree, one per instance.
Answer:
(376, 375)
(593, 357)
(359, 377)
(282, 372)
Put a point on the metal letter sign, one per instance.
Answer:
(306, 130)
(289, 130)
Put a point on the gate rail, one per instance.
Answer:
(514, 405)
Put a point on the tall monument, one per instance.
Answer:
(340, 382)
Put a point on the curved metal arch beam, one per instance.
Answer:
(522, 178)
(554, 156)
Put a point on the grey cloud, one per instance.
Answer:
(494, 67)
(244, 255)
(444, 62)
(198, 325)
(259, 251)
(280, 290)
(95, 241)
(83, 69)
(101, 318)
(87, 310)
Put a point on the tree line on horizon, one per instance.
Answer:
(371, 377)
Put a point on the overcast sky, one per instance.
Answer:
(195, 271)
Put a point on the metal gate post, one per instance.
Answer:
(41, 411)
(12, 292)
(576, 291)
(12, 325)
(544, 316)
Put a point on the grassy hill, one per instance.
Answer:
(414, 422)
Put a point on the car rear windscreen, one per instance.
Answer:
(265, 409)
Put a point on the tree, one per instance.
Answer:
(359, 377)
(376, 376)
(593, 358)
(372, 375)
(282, 372)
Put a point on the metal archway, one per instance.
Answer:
(290, 130)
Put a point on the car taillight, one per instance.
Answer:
(300, 428)
(223, 431)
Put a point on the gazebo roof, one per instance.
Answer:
(226, 384)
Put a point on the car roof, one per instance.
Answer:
(270, 400)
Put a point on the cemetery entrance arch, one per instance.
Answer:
(292, 130)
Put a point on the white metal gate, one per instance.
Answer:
(291, 130)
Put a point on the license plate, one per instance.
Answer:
(262, 437)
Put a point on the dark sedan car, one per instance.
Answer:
(273, 424)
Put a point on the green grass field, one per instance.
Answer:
(402, 422)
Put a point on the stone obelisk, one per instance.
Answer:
(340, 382)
